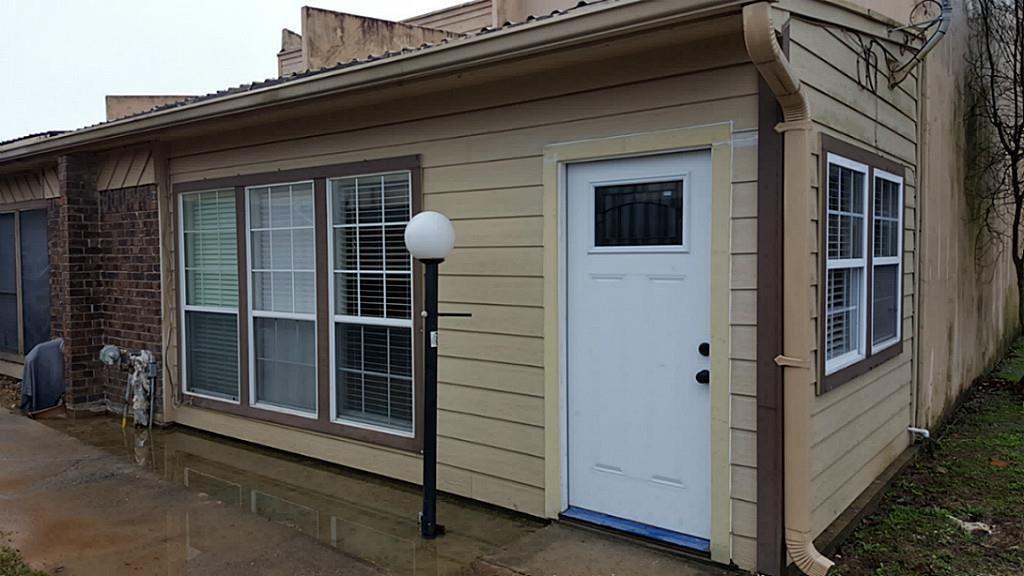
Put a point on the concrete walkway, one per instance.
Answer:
(77, 497)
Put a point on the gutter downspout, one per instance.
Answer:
(797, 131)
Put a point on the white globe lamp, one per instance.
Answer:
(429, 236)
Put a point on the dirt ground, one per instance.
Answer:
(10, 392)
(973, 473)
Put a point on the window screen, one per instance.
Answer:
(847, 274)
(210, 258)
(35, 278)
(649, 214)
(372, 300)
(282, 260)
(8, 286)
(888, 224)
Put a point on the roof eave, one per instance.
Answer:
(586, 25)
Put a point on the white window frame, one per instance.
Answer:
(337, 319)
(186, 307)
(253, 313)
(888, 261)
(833, 365)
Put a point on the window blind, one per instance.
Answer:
(283, 272)
(846, 262)
(372, 282)
(210, 263)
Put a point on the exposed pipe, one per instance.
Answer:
(797, 131)
(945, 17)
(922, 432)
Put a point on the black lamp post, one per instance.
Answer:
(430, 237)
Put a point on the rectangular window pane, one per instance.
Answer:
(885, 303)
(283, 252)
(648, 214)
(845, 213)
(372, 279)
(285, 363)
(211, 345)
(369, 217)
(209, 239)
(887, 218)
(374, 374)
(843, 312)
(210, 249)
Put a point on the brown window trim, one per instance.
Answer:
(831, 145)
(324, 319)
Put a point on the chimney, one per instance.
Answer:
(122, 106)
(329, 38)
(289, 59)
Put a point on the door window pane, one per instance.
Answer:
(649, 214)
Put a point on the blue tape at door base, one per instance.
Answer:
(644, 530)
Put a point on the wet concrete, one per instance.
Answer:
(81, 498)
(78, 496)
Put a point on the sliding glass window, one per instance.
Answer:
(372, 293)
(282, 264)
(210, 288)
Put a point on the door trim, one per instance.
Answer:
(718, 139)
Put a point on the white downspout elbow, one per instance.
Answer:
(797, 130)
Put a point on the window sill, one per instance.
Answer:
(829, 382)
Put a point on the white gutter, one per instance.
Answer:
(583, 25)
(797, 130)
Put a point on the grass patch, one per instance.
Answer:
(11, 564)
(976, 474)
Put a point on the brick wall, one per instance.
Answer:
(129, 301)
(74, 280)
(104, 281)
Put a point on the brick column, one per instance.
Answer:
(75, 280)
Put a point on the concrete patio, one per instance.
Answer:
(81, 498)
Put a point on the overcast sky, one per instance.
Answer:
(59, 58)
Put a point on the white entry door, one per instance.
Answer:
(638, 295)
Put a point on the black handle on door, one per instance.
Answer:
(703, 377)
(704, 349)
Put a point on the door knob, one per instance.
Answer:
(704, 349)
(703, 377)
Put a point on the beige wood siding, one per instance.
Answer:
(468, 17)
(743, 349)
(860, 427)
(29, 186)
(125, 169)
(481, 152)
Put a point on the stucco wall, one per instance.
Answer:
(967, 310)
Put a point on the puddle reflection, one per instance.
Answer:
(363, 516)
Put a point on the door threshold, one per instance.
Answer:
(646, 531)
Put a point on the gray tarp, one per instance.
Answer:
(43, 382)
